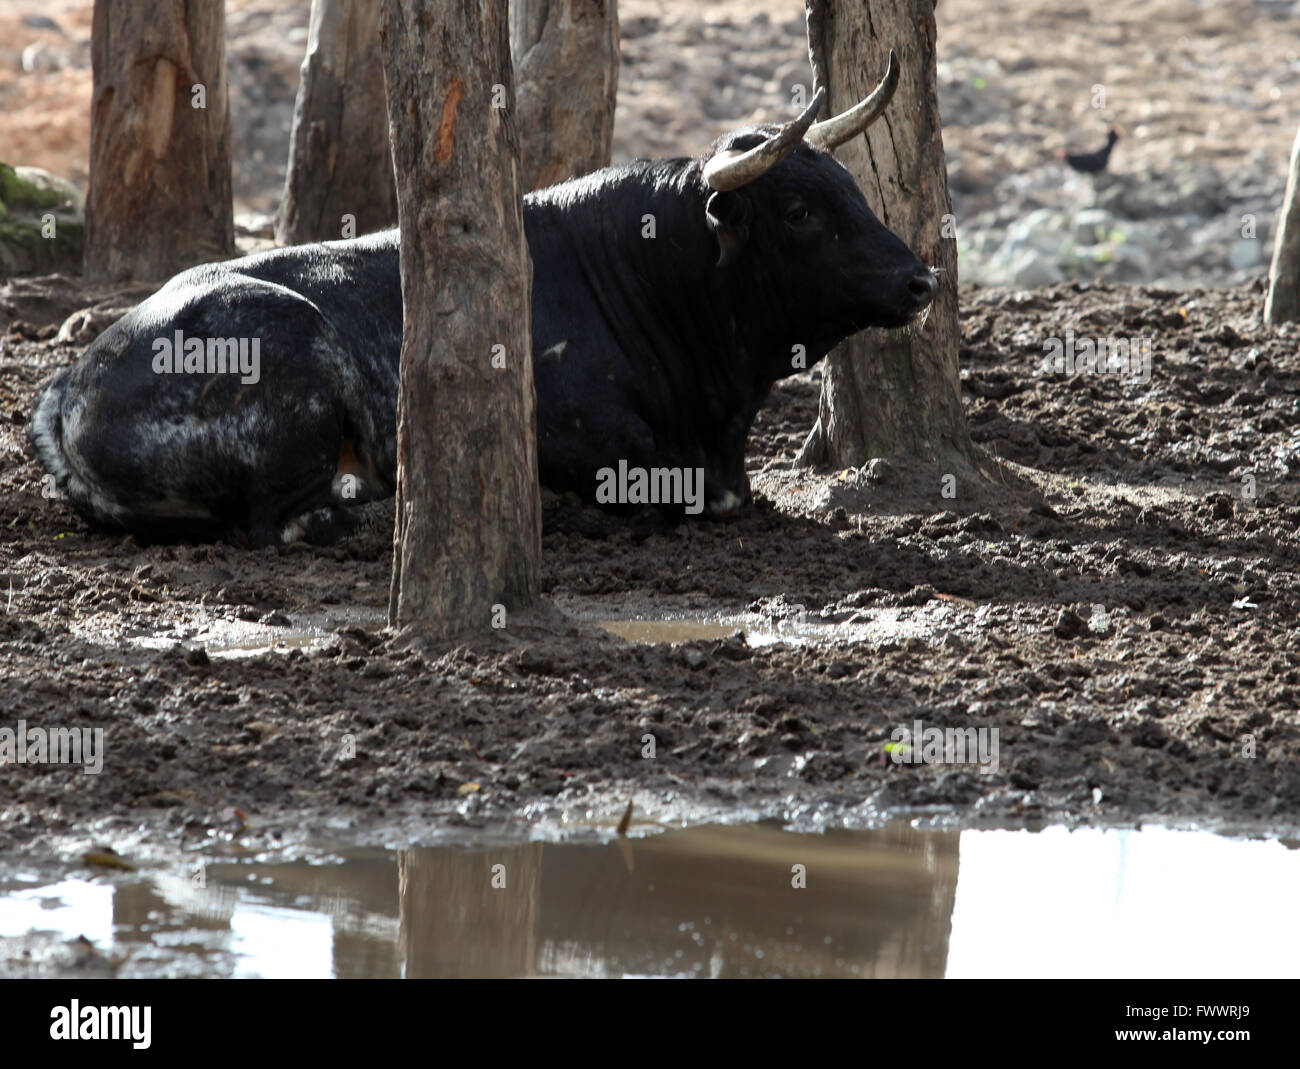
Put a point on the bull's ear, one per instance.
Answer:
(728, 216)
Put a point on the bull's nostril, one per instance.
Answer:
(923, 287)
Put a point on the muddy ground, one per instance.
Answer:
(1114, 601)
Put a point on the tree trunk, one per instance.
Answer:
(892, 393)
(566, 52)
(159, 197)
(339, 182)
(1283, 304)
(468, 539)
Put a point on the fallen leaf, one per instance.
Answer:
(108, 858)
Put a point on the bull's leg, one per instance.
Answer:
(726, 483)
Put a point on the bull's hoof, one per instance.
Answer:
(726, 506)
(320, 527)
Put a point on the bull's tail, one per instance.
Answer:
(45, 432)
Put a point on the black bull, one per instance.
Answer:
(260, 395)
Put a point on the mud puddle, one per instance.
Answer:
(225, 638)
(642, 622)
(869, 627)
(245, 638)
(709, 901)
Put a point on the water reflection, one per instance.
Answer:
(708, 901)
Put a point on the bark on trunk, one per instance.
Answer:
(566, 53)
(892, 393)
(1283, 304)
(159, 198)
(468, 534)
(339, 181)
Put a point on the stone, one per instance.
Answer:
(42, 222)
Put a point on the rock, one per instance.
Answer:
(1029, 268)
(1245, 253)
(1068, 624)
(255, 224)
(1129, 263)
(42, 222)
(878, 470)
(693, 658)
(1042, 230)
(535, 662)
(1099, 624)
(918, 595)
(1092, 225)
(1149, 735)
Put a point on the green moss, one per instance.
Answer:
(24, 207)
(16, 192)
(25, 250)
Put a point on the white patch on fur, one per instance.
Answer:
(294, 530)
(727, 503)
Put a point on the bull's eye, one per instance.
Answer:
(797, 215)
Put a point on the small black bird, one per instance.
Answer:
(1091, 162)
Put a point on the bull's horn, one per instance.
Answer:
(836, 131)
(731, 170)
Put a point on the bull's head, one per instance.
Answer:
(780, 196)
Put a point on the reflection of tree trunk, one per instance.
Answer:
(921, 948)
(339, 161)
(159, 197)
(566, 57)
(896, 393)
(1283, 304)
(883, 899)
(456, 923)
(362, 956)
